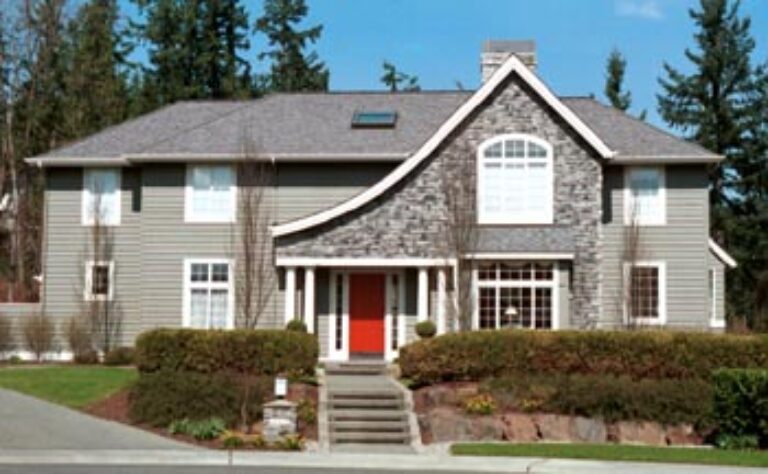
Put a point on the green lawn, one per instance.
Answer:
(613, 452)
(73, 386)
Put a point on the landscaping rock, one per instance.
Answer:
(487, 428)
(553, 427)
(443, 395)
(445, 424)
(588, 430)
(682, 435)
(520, 428)
(638, 432)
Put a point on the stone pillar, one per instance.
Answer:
(441, 300)
(423, 302)
(290, 294)
(279, 420)
(309, 299)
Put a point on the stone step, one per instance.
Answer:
(370, 438)
(367, 415)
(366, 404)
(370, 426)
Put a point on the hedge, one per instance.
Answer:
(612, 398)
(253, 352)
(636, 354)
(741, 404)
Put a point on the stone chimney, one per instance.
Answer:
(495, 52)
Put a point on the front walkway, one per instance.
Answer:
(30, 423)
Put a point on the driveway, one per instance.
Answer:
(29, 423)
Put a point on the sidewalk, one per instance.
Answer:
(424, 462)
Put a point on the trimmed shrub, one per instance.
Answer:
(38, 335)
(210, 428)
(163, 397)
(255, 352)
(636, 354)
(612, 398)
(87, 357)
(426, 329)
(78, 334)
(119, 356)
(741, 406)
(6, 336)
(296, 325)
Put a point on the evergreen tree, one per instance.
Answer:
(397, 80)
(291, 69)
(96, 85)
(723, 105)
(614, 90)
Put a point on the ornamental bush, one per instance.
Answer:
(635, 354)
(243, 351)
(425, 329)
(741, 407)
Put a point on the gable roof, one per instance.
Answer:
(511, 66)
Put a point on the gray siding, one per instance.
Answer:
(152, 240)
(682, 243)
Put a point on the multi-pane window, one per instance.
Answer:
(211, 193)
(98, 280)
(645, 201)
(515, 181)
(209, 298)
(515, 295)
(646, 293)
(101, 196)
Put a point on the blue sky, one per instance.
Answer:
(440, 40)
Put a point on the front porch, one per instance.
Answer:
(365, 308)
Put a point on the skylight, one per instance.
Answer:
(374, 119)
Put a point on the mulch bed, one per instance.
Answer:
(116, 407)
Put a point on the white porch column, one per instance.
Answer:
(309, 299)
(441, 300)
(290, 294)
(423, 306)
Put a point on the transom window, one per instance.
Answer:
(515, 295)
(101, 197)
(208, 300)
(515, 181)
(645, 200)
(211, 193)
(646, 292)
(98, 280)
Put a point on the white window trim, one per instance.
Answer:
(662, 319)
(553, 284)
(389, 318)
(87, 294)
(716, 321)
(85, 218)
(189, 214)
(545, 218)
(343, 353)
(658, 220)
(186, 317)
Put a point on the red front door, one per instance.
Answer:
(366, 313)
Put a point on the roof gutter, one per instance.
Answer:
(64, 162)
(665, 159)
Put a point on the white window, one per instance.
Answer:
(646, 293)
(99, 277)
(515, 181)
(645, 196)
(101, 196)
(210, 195)
(208, 294)
(716, 320)
(515, 295)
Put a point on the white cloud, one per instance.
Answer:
(646, 9)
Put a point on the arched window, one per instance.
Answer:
(515, 180)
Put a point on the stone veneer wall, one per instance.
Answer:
(409, 219)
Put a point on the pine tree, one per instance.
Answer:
(723, 105)
(397, 80)
(291, 69)
(96, 85)
(614, 81)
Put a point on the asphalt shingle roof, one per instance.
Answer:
(537, 239)
(319, 123)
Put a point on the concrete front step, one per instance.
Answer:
(370, 426)
(374, 404)
(367, 415)
(348, 394)
(356, 368)
(370, 438)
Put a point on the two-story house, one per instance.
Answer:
(584, 217)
